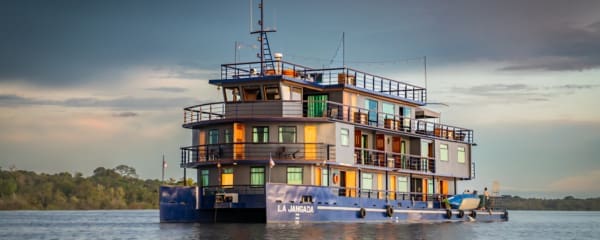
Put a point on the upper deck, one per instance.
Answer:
(324, 78)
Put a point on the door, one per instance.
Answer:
(342, 191)
(364, 144)
(416, 188)
(444, 187)
(380, 146)
(310, 142)
(392, 187)
(238, 140)
(317, 105)
(350, 183)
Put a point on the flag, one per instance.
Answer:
(271, 162)
(164, 164)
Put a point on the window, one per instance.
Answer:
(252, 93)
(367, 181)
(324, 177)
(213, 136)
(371, 105)
(405, 113)
(232, 94)
(204, 177)
(402, 184)
(260, 134)
(227, 177)
(296, 94)
(272, 92)
(429, 186)
(228, 135)
(287, 134)
(388, 109)
(461, 155)
(257, 176)
(443, 152)
(344, 136)
(294, 175)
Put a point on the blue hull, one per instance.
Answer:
(283, 203)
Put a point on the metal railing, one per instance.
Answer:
(256, 151)
(328, 76)
(380, 158)
(325, 110)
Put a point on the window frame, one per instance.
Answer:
(263, 135)
(294, 173)
(204, 177)
(461, 151)
(257, 173)
(281, 131)
(345, 138)
(444, 154)
(213, 133)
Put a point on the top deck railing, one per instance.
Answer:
(327, 77)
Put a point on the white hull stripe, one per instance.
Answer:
(401, 210)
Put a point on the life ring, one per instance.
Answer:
(336, 178)
(461, 214)
(473, 214)
(362, 213)
(389, 211)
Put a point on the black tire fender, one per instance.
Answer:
(461, 214)
(473, 214)
(362, 213)
(389, 211)
(448, 213)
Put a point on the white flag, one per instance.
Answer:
(164, 164)
(271, 162)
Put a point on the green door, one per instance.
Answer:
(317, 105)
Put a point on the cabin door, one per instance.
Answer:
(310, 145)
(238, 139)
(416, 187)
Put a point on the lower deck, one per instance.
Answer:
(291, 203)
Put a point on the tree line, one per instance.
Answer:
(568, 203)
(116, 188)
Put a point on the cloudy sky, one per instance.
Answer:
(100, 83)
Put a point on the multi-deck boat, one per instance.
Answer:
(290, 143)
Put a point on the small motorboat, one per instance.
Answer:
(464, 201)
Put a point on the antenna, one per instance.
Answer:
(251, 28)
(344, 49)
(265, 50)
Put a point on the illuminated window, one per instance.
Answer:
(402, 184)
(294, 175)
(367, 181)
(443, 152)
(227, 177)
(344, 137)
(287, 134)
(204, 177)
(461, 155)
(213, 136)
(257, 176)
(324, 177)
(260, 134)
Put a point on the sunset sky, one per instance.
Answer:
(85, 84)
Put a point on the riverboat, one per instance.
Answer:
(291, 143)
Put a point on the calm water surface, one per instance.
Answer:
(136, 224)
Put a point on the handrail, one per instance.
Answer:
(326, 77)
(404, 161)
(326, 110)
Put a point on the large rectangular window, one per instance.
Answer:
(388, 109)
(260, 134)
(227, 177)
(257, 175)
(367, 181)
(461, 155)
(344, 137)
(272, 92)
(213, 136)
(324, 177)
(402, 184)
(443, 152)
(287, 134)
(371, 105)
(204, 176)
(294, 175)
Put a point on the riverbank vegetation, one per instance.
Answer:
(117, 188)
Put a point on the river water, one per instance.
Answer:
(143, 224)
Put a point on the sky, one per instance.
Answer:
(85, 84)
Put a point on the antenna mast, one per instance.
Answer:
(266, 59)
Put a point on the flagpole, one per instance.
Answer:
(163, 168)
(271, 164)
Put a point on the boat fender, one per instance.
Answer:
(448, 214)
(473, 214)
(362, 213)
(461, 213)
(389, 211)
(505, 214)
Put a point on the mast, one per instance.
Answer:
(266, 59)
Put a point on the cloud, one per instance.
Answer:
(167, 89)
(586, 182)
(12, 100)
(125, 114)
